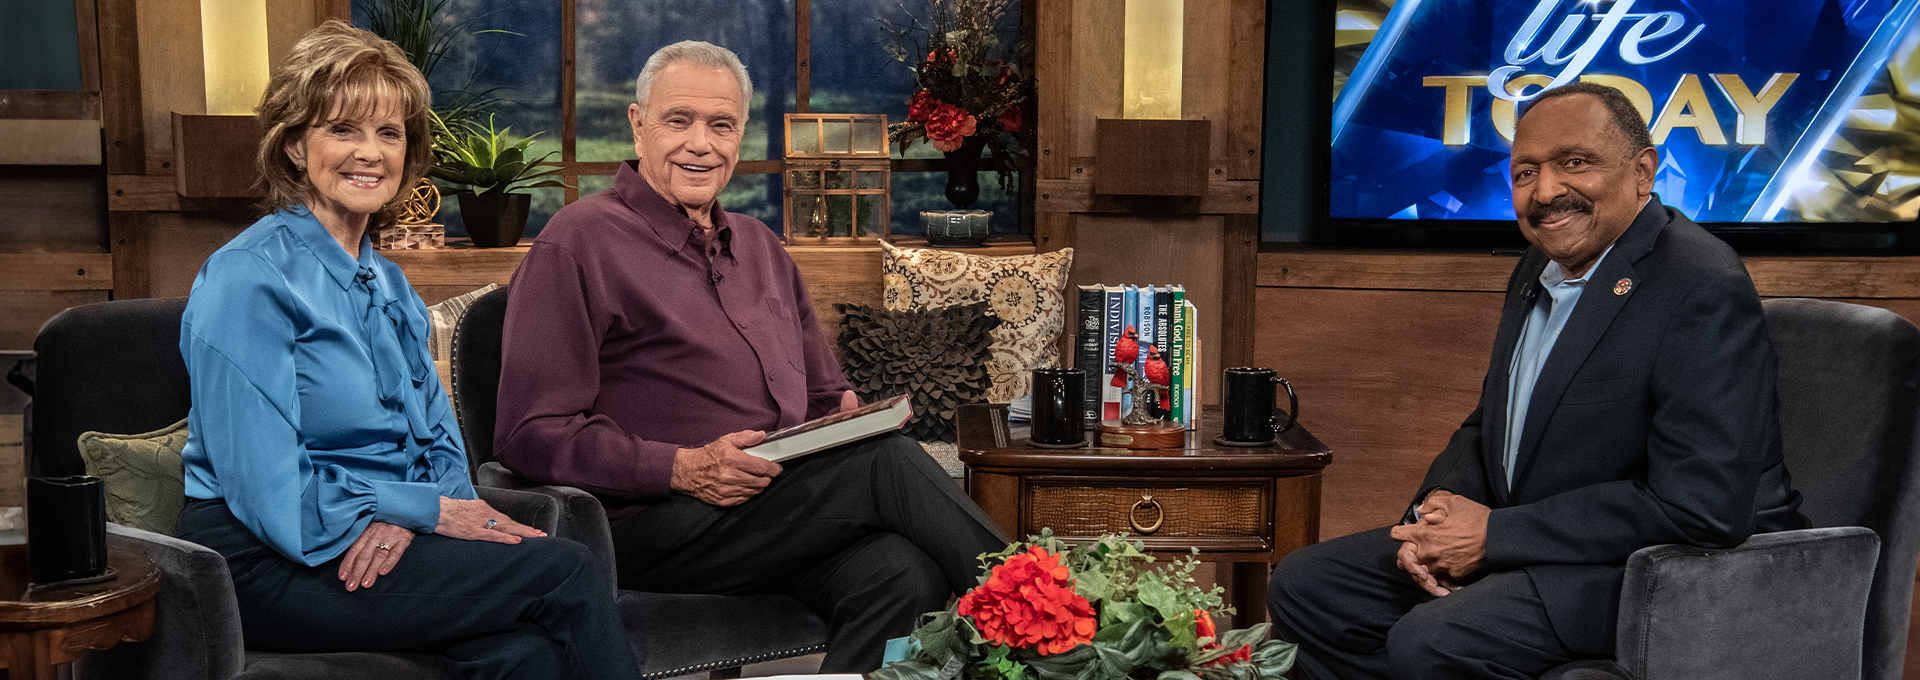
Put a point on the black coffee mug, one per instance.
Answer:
(66, 528)
(1250, 399)
(1059, 401)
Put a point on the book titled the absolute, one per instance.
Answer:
(833, 430)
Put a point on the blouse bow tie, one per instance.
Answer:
(399, 365)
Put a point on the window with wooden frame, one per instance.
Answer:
(566, 69)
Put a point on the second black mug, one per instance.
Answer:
(1058, 416)
(1250, 400)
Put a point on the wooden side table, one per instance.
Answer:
(52, 625)
(1245, 506)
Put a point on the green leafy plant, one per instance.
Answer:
(1119, 620)
(480, 159)
(427, 31)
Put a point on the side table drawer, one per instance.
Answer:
(1212, 514)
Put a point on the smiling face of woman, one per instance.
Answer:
(354, 162)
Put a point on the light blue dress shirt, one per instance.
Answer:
(1537, 336)
(316, 407)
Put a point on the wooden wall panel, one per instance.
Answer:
(1099, 34)
(171, 73)
(1384, 378)
(287, 20)
(1053, 49)
(53, 211)
(1246, 89)
(178, 243)
(1182, 249)
(1204, 79)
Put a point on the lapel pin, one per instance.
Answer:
(1622, 286)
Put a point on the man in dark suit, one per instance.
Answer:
(1630, 402)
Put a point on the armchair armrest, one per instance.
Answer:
(581, 516)
(196, 628)
(1790, 604)
(539, 511)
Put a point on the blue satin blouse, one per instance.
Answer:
(316, 408)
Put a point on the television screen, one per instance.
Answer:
(1793, 116)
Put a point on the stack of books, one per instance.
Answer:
(1163, 321)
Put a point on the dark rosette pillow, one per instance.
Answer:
(938, 355)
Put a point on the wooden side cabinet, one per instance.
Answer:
(1244, 506)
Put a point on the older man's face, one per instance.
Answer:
(688, 136)
(1576, 187)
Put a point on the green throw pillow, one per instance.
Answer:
(146, 485)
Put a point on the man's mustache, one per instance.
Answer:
(1565, 203)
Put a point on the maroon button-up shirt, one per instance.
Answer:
(626, 341)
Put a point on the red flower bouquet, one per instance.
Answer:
(967, 90)
(1046, 611)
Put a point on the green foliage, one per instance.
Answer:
(426, 31)
(1146, 627)
(480, 159)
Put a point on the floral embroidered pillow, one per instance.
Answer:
(1027, 293)
(145, 481)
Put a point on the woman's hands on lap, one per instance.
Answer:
(379, 547)
(373, 554)
(469, 520)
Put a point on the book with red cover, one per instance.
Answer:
(833, 430)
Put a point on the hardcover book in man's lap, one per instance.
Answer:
(833, 430)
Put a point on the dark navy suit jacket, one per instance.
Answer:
(1654, 420)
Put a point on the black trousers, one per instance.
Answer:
(869, 536)
(539, 609)
(1357, 615)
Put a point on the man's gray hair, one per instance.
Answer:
(696, 53)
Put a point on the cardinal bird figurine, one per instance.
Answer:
(1158, 374)
(1125, 351)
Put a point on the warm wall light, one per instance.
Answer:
(234, 41)
(1151, 85)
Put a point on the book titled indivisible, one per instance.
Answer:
(829, 431)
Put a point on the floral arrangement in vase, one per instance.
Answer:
(972, 92)
(1048, 611)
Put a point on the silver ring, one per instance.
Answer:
(493, 523)
(384, 546)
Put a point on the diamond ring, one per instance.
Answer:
(384, 546)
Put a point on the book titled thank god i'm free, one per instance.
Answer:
(829, 431)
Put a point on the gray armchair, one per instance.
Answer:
(679, 634)
(116, 367)
(1827, 602)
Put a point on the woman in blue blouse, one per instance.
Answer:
(323, 460)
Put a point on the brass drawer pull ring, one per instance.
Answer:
(1159, 514)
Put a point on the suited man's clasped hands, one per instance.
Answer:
(1446, 547)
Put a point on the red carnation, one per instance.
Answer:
(1028, 601)
(1203, 627)
(1010, 119)
(948, 127)
(921, 106)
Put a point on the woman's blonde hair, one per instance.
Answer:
(339, 67)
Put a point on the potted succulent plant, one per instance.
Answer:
(491, 175)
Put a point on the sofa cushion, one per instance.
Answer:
(1027, 293)
(939, 356)
(144, 480)
(442, 319)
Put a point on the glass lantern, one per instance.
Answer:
(838, 175)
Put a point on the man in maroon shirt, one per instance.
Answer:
(651, 335)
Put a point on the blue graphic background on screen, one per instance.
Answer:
(1390, 161)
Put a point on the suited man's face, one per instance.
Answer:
(1576, 184)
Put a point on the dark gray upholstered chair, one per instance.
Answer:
(116, 367)
(1818, 603)
(679, 634)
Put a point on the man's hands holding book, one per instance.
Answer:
(721, 474)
